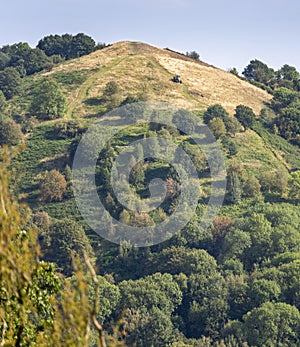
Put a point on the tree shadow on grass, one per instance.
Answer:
(94, 101)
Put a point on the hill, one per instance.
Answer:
(144, 72)
(223, 285)
(141, 68)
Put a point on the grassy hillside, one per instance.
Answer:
(140, 68)
(145, 71)
(203, 283)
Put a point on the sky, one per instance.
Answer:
(225, 33)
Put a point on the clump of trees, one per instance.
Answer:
(50, 50)
(67, 46)
(24, 59)
(194, 55)
(218, 112)
(284, 85)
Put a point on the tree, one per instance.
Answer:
(262, 290)
(29, 60)
(176, 260)
(251, 187)
(234, 190)
(148, 304)
(273, 325)
(111, 95)
(10, 82)
(235, 243)
(289, 73)
(52, 45)
(67, 46)
(42, 220)
(67, 238)
(245, 115)
(194, 55)
(4, 60)
(81, 44)
(215, 111)
(284, 97)
(34, 309)
(207, 305)
(10, 132)
(274, 181)
(217, 127)
(154, 291)
(288, 123)
(2, 101)
(294, 184)
(28, 286)
(151, 329)
(110, 89)
(257, 71)
(53, 186)
(230, 146)
(234, 71)
(48, 100)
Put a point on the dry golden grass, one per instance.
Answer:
(139, 68)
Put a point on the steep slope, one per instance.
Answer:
(144, 71)
(139, 68)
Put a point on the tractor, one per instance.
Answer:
(176, 79)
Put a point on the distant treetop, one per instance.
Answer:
(67, 46)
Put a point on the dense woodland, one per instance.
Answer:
(235, 284)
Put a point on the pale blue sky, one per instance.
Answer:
(225, 33)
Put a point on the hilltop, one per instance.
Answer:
(139, 68)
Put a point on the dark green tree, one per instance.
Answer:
(289, 73)
(67, 46)
(81, 44)
(262, 290)
(2, 101)
(273, 325)
(10, 82)
(28, 60)
(215, 111)
(245, 115)
(66, 237)
(194, 55)
(258, 71)
(234, 188)
(288, 123)
(284, 97)
(4, 60)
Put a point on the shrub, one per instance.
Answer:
(10, 132)
(66, 129)
(42, 220)
(53, 186)
(217, 127)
